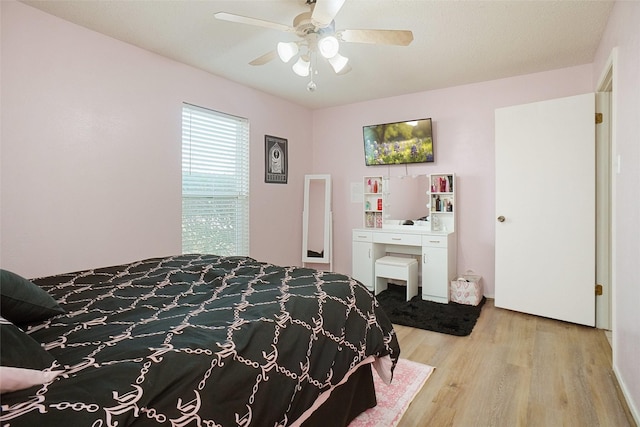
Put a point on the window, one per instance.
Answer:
(215, 182)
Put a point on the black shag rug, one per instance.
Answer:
(453, 318)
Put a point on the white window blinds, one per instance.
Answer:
(215, 182)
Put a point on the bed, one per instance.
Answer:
(192, 340)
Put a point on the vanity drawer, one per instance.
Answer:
(434, 241)
(362, 236)
(397, 239)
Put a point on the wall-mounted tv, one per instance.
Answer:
(398, 143)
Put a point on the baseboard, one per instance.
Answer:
(627, 397)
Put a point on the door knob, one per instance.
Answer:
(500, 218)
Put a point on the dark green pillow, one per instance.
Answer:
(22, 301)
(23, 361)
(19, 350)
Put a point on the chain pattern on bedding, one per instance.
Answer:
(198, 340)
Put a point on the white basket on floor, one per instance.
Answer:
(467, 289)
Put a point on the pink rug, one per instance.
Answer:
(394, 399)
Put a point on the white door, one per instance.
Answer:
(545, 209)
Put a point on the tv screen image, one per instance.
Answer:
(398, 143)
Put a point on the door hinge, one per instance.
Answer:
(598, 289)
(598, 118)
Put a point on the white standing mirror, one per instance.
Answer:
(317, 221)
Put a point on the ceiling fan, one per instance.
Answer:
(317, 35)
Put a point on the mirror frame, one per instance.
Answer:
(326, 222)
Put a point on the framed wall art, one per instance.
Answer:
(275, 158)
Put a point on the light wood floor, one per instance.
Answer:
(515, 370)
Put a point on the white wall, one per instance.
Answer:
(622, 33)
(463, 123)
(90, 150)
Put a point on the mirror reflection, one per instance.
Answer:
(407, 198)
(316, 220)
(316, 224)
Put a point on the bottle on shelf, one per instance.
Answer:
(374, 201)
(441, 201)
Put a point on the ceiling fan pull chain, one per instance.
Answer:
(311, 86)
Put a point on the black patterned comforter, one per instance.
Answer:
(198, 340)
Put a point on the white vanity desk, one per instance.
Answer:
(435, 251)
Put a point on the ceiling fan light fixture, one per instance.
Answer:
(328, 46)
(286, 51)
(338, 62)
(301, 67)
(317, 36)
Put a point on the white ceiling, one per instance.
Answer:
(455, 42)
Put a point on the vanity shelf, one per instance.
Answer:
(442, 201)
(374, 202)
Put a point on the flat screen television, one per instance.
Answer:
(398, 143)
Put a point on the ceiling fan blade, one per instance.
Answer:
(392, 37)
(325, 11)
(345, 70)
(224, 16)
(261, 60)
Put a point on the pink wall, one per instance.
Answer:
(623, 35)
(104, 108)
(463, 122)
(91, 150)
(90, 155)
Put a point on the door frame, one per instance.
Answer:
(606, 159)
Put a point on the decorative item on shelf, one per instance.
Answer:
(369, 220)
(435, 223)
(442, 184)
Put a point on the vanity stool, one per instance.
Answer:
(399, 268)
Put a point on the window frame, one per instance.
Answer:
(215, 182)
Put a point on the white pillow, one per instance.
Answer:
(13, 379)
(23, 361)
